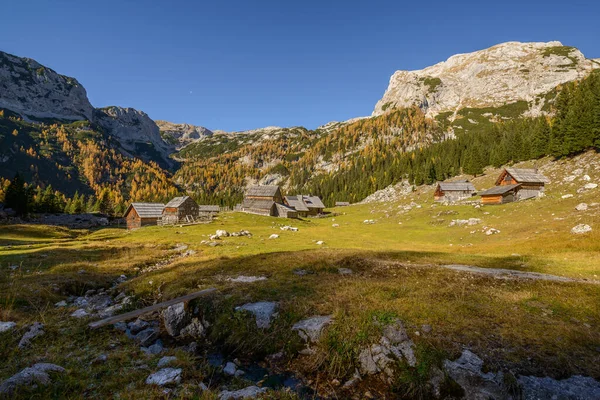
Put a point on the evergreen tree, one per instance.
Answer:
(17, 196)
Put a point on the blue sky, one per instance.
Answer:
(236, 65)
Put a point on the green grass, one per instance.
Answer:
(527, 327)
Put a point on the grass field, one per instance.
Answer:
(519, 326)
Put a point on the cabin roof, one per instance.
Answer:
(282, 208)
(524, 175)
(496, 190)
(146, 210)
(209, 208)
(259, 204)
(304, 203)
(456, 186)
(176, 201)
(263, 191)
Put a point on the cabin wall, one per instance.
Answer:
(132, 220)
(452, 195)
(148, 221)
(491, 199)
(530, 191)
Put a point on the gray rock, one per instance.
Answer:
(121, 326)
(61, 303)
(574, 388)
(137, 326)
(102, 358)
(375, 359)
(311, 329)
(230, 369)
(7, 326)
(247, 279)
(221, 233)
(80, 313)
(581, 229)
(426, 328)
(250, 392)
(581, 207)
(344, 271)
(166, 360)
(175, 318)
(165, 376)
(154, 349)
(194, 330)
(34, 331)
(466, 371)
(147, 336)
(35, 375)
(263, 311)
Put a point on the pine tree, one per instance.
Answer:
(17, 196)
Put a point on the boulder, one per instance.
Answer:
(154, 349)
(35, 375)
(7, 326)
(394, 345)
(574, 388)
(589, 186)
(566, 196)
(581, 229)
(221, 233)
(175, 318)
(250, 392)
(581, 207)
(311, 329)
(165, 376)
(147, 336)
(195, 329)
(230, 368)
(263, 311)
(137, 326)
(80, 313)
(466, 371)
(35, 330)
(274, 236)
(289, 228)
(320, 242)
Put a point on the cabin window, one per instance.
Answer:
(507, 178)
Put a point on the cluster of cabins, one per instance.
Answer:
(513, 184)
(179, 210)
(268, 200)
(261, 200)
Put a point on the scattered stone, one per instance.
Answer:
(166, 360)
(137, 326)
(274, 236)
(589, 186)
(426, 328)
(307, 352)
(110, 311)
(492, 231)
(466, 371)
(566, 196)
(154, 349)
(35, 375)
(120, 326)
(61, 303)
(301, 272)
(581, 207)
(102, 358)
(7, 326)
(586, 178)
(175, 318)
(166, 376)
(463, 222)
(394, 344)
(320, 242)
(350, 383)
(13, 267)
(230, 368)
(146, 337)
(34, 331)
(263, 311)
(80, 313)
(247, 279)
(194, 330)
(311, 329)
(250, 392)
(190, 348)
(335, 225)
(581, 229)
(576, 387)
(369, 221)
(221, 233)
(289, 228)
(344, 271)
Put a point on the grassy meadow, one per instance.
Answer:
(518, 326)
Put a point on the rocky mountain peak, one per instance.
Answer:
(501, 74)
(180, 135)
(36, 91)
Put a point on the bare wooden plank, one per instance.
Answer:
(137, 313)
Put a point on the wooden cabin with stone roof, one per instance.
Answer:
(180, 209)
(531, 182)
(305, 205)
(143, 214)
(266, 200)
(453, 191)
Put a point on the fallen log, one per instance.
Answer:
(155, 307)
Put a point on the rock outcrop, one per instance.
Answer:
(501, 74)
(36, 91)
(180, 135)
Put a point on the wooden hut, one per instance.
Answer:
(266, 200)
(531, 182)
(305, 205)
(500, 194)
(180, 209)
(453, 191)
(208, 211)
(143, 214)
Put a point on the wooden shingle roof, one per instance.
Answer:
(296, 203)
(523, 175)
(496, 190)
(209, 208)
(457, 186)
(258, 204)
(146, 210)
(304, 203)
(262, 191)
(176, 202)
